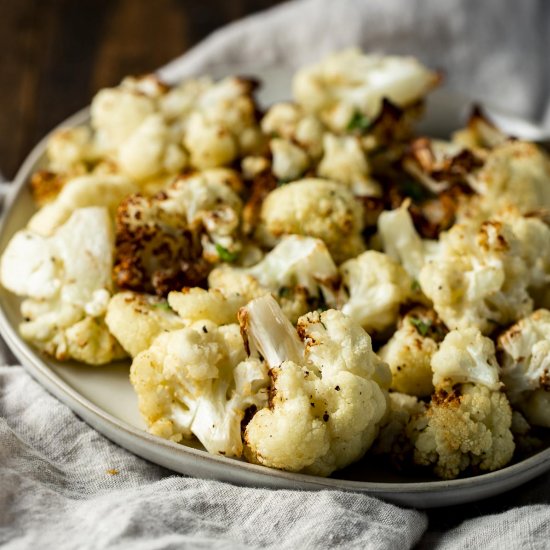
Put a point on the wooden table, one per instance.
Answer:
(57, 53)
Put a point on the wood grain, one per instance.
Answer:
(58, 53)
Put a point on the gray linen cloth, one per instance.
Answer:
(62, 485)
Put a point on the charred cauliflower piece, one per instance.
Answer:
(328, 390)
(66, 279)
(197, 381)
(468, 421)
(349, 82)
(299, 272)
(409, 352)
(373, 288)
(478, 277)
(317, 208)
(525, 361)
(170, 240)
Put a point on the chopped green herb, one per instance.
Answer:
(422, 327)
(415, 286)
(163, 305)
(415, 190)
(285, 292)
(225, 255)
(359, 122)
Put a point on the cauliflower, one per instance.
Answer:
(525, 361)
(468, 421)
(222, 126)
(169, 241)
(350, 82)
(84, 191)
(288, 122)
(289, 161)
(67, 279)
(373, 288)
(70, 149)
(198, 381)
(135, 320)
(478, 278)
(151, 150)
(409, 352)
(318, 208)
(400, 240)
(298, 271)
(328, 390)
(515, 173)
(344, 161)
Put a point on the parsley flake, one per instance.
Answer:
(422, 327)
(225, 255)
(359, 122)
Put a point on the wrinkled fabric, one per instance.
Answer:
(63, 485)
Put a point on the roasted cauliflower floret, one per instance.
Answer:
(515, 173)
(349, 81)
(317, 208)
(299, 272)
(328, 390)
(67, 281)
(198, 381)
(373, 288)
(137, 319)
(223, 125)
(170, 240)
(409, 352)
(525, 362)
(478, 278)
(84, 191)
(70, 149)
(468, 420)
(289, 161)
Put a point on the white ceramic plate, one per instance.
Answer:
(104, 398)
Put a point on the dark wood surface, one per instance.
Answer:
(57, 53)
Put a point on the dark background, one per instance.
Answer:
(57, 53)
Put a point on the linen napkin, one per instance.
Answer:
(63, 485)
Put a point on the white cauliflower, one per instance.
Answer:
(400, 240)
(345, 161)
(349, 81)
(317, 208)
(84, 191)
(373, 288)
(468, 420)
(328, 390)
(135, 320)
(478, 278)
(198, 381)
(67, 281)
(69, 149)
(515, 173)
(299, 271)
(151, 150)
(170, 240)
(525, 362)
(289, 161)
(409, 352)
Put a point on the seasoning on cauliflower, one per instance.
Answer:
(317, 208)
(525, 362)
(299, 272)
(373, 288)
(349, 82)
(198, 381)
(409, 352)
(514, 173)
(468, 420)
(170, 240)
(478, 278)
(66, 278)
(84, 191)
(328, 391)
(135, 320)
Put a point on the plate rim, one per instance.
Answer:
(96, 417)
